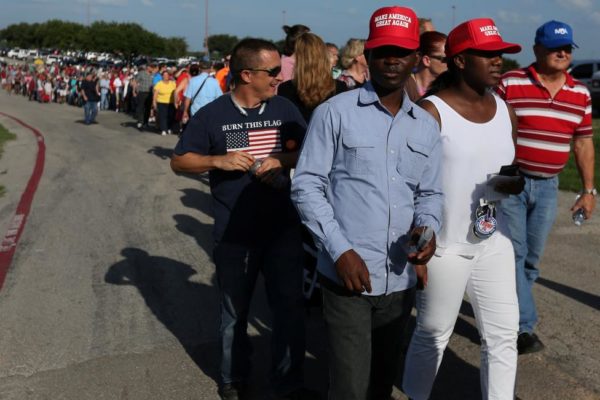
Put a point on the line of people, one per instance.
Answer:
(125, 89)
(397, 195)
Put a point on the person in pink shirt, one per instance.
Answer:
(287, 59)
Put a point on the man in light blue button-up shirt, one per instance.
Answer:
(368, 179)
(365, 177)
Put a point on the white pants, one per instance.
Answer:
(489, 280)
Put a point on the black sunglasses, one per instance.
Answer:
(441, 59)
(567, 49)
(273, 72)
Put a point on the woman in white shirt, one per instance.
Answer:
(474, 252)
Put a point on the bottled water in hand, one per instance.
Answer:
(578, 215)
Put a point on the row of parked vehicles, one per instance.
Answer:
(588, 72)
(50, 57)
(22, 54)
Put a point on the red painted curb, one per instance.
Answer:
(15, 229)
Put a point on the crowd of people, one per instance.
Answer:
(405, 159)
(123, 89)
(421, 173)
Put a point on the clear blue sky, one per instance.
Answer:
(333, 20)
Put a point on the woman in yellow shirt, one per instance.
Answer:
(164, 104)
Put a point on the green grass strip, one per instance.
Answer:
(569, 178)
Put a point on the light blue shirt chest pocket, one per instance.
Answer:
(359, 154)
(414, 156)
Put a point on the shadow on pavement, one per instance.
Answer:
(456, 379)
(129, 124)
(198, 230)
(161, 152)
(189, 310)
(586, 298)
(198, 199)
(144, 129)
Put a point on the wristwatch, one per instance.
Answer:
(592, 191)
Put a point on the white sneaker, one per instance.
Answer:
(163, 133)
(170, 132)
(139, 125)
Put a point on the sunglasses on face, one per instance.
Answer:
(273, 72)
(567, 49)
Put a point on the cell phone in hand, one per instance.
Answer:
(509, 170)
(418, 243)
(425, 238)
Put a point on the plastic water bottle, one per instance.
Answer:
(578, 215)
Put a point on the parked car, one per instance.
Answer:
(23, 53)
(13, 53)
(32, 54)
(51, 59)
(583, 70)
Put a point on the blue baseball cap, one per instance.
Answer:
(554, 34)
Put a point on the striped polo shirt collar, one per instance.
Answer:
(535, 77)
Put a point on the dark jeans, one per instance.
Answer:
(144, 105)
(90, 109)
(365, 340)
(165, 115)
(280, 262)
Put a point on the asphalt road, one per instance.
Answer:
(111, 292)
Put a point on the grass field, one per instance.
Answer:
(569, 178)
(4, 137)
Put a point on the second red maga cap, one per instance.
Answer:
(393, 26)
(478, 34)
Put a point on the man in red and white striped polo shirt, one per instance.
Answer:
(553, 109)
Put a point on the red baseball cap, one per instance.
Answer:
(393, 26)
(478, 34)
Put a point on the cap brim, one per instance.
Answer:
(405, 43)
(504, 47)
(557, 43)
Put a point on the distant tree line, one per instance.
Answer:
(112, 37)
(124, 38)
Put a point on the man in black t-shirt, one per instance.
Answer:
(91, 97)
(248, 140)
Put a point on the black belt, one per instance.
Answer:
(535, 177)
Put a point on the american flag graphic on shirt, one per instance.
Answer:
(258, 142)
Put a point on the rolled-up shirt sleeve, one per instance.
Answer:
(311, 181)
(429, 197)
